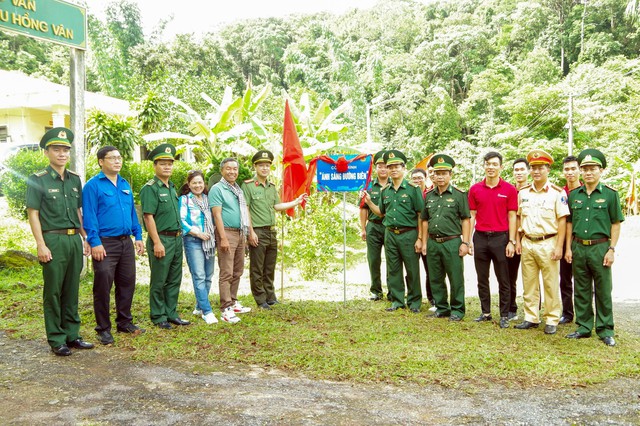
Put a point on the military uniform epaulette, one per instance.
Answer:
(41, 173)
(458, 189)
(150, 182)
(249, 180)
(613, 189)
(73, 173)
(527, 186)
(557, 188)
(432, 189)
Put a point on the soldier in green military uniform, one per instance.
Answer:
(162, 220)
(400, 206)
(372, 229)
(54, 201)
(445, 217)
(263, 201)
(593, 230)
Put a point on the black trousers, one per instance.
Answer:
(566, 288)
(514, 265)
(490, 247)
(118, 266)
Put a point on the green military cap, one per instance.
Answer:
(378, 157)
(442, 162)
(164, 151)
(393, 156)
(57, 136)
(262, 156)
(592, 157)
(537, 157)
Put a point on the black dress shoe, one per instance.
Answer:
(272, 302)
(438, 315)
(62, 350)
(164, 325)
(131, 328)
(394, 308)
(455, 318)
(565, 320)
(483, 317)
(105, 337)
(264, 305)
(79, 344)
(375, 298)
(525, 325)
(578, 335)
(550, 329)
(178, 321)
(415, 310)
(609, 341)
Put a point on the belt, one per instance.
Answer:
(119, 237)
(232, 229)
(260, 227)
(544, 237)
(399, 231)
(443, 239)
(70, 231)
(491, 233)
(591, 242)
(378, 221)
(170, 233)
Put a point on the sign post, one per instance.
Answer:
(343, 173)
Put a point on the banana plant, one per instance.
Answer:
(228, 127)
(320, 129)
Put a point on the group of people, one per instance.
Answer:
(561, 234)
(566, 236)
(99, 220)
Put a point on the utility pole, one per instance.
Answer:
(570, 124)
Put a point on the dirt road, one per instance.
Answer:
(103, 386)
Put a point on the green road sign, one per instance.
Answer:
(50, 20)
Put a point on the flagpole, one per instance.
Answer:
(282, 262)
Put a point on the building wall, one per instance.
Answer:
(27, 124)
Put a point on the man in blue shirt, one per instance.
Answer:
(110, 219)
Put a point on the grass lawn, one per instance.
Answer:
(357, 342)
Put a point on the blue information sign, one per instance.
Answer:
(353, 180)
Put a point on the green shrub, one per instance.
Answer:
(313, 241)
(14, 179)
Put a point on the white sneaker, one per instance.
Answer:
(210, 318)
(239, 309)
(229, 316)
(197, 312)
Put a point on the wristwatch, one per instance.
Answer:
(466, 243)
(513, 242)
(612, 248)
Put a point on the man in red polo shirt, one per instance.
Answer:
(493, 203)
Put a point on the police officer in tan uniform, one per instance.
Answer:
(542, 215)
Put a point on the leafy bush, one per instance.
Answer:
(14, 178)
(313, 240)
